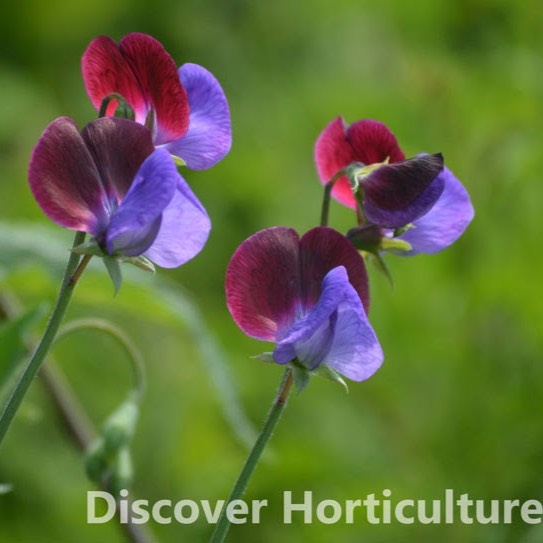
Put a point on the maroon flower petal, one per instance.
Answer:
(373, 142)
(323, 249)
(157, 74)
(397, 194)
(118, 147)
(64, 179)
(263, 283)
(332, 153)
(106, 71)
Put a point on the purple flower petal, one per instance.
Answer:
(118, 147)
(355, 351)
(336, 332)
(184, 230)
(310, 338)
(322, 249)
(397, 194)
(209, 136)
(263, 283)
(134, 226)
(445, 222)
(64, 179)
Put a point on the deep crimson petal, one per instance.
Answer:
(373, 142)
(65, 181)
(397, 194)
(332, 153)
(323, 249)
(157, 74)
(118, 147)
(106, 71)
(263, 283)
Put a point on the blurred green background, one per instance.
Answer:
(458, 402)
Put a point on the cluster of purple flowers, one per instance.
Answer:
(118, 180)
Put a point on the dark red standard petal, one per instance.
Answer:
(64, 179)
(372, 142)
(118, 147)
(323, 249)
(263, 283)
(157, 74)
(106, 71)
(339, 145)
(332, 153)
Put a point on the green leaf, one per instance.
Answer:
(301, 376)
(332, 375)
(13, 349)
(114, 270)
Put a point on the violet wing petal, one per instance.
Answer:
(397, 194)
(184, 230)
(134, 225)
(355, 351)
(445, 222)
(209, 137)
(310, 338)
(65, 181)
(263, 283)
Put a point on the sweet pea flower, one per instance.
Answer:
(186, 109)
(309, 295)
(418, 193)
(110, 182)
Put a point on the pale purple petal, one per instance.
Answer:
(336, 333)
(355, 351)
(184, 230)
(444, 223)
(209, 136)
(133, 226)
(309, 339)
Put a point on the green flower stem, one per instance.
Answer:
(133, 354)
(74, 269)
(221, 530)
(326, 197)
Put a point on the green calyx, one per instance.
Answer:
(123, 109)
(112, 262)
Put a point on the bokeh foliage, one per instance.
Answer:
(458, 401)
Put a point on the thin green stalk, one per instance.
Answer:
(223, 525)
(74, 268)
(134, 356)
(326, 197)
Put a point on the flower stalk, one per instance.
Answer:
(74, 269)
(223, 525)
